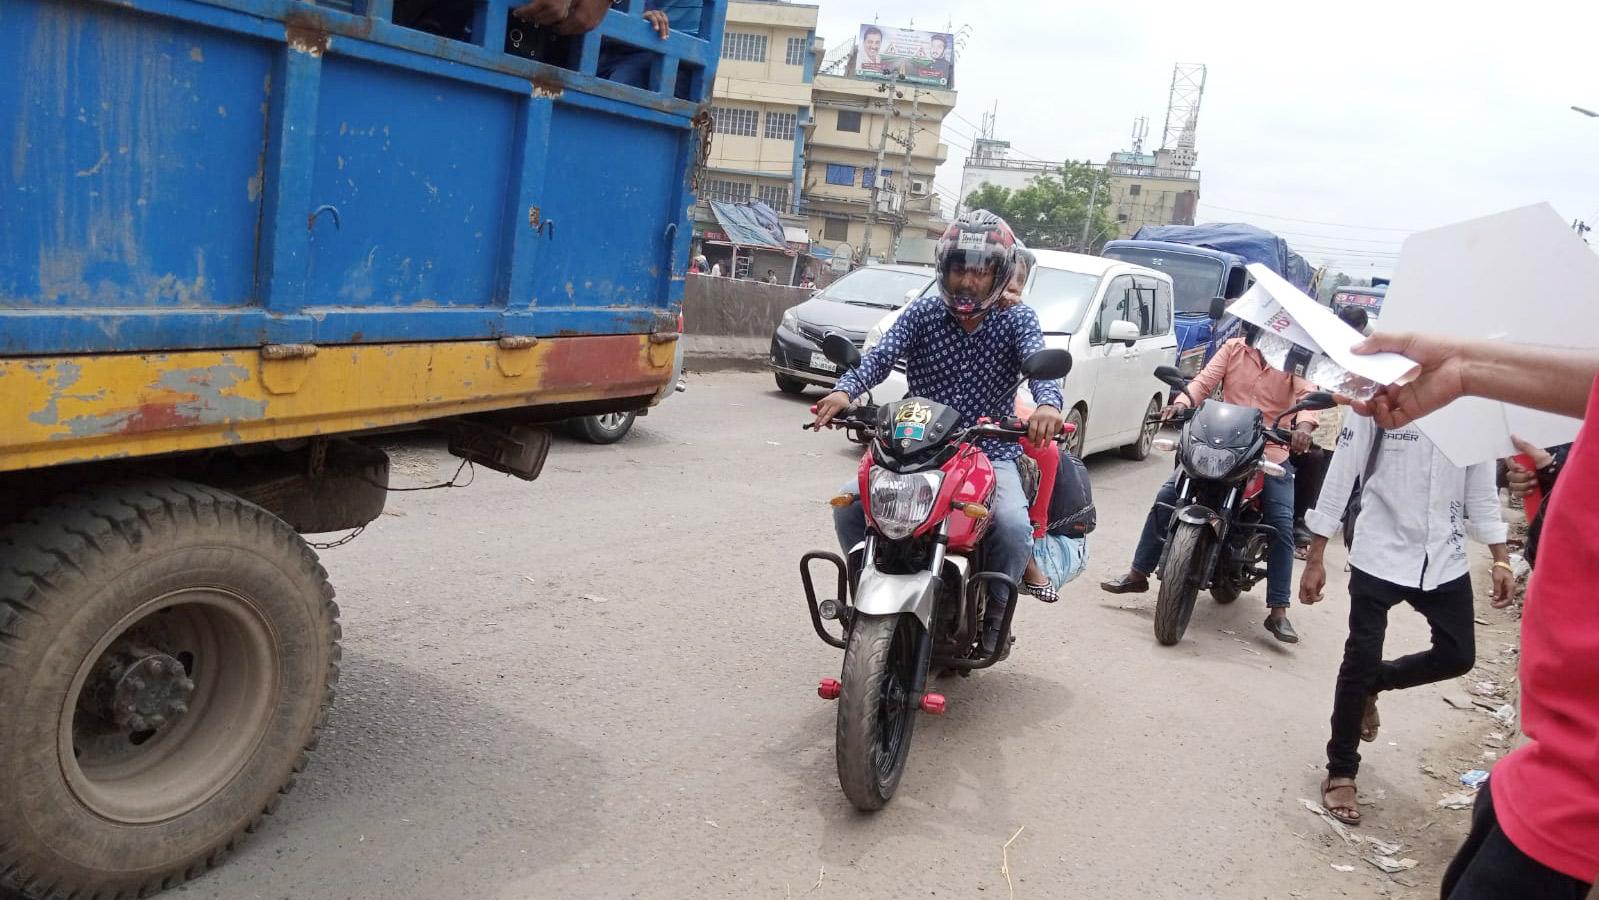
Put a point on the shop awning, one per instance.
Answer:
(750, 224)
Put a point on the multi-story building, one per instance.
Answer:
(761, 106)
(1143, 188)
(991, 163)
(849, 119)
(1152, 189)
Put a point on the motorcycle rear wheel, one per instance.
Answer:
(876, 708)
(1179, 583)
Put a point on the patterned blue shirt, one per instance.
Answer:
(971, 373)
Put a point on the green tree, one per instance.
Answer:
(1051, 211)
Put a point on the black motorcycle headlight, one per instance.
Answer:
(1204, 461)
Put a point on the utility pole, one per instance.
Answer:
(877, 172)
(1088, 214)
(905, 192)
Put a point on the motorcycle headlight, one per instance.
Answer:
(901, 503)
(790, 321)
(1209, 462)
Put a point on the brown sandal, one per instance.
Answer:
(1370, 722)
(1347, 813)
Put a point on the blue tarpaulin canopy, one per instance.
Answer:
(1251, 243)
(750, 224)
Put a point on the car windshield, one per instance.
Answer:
(1060, 297)
(1196, 280)
(882, 288)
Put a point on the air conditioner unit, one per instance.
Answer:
(918, 188)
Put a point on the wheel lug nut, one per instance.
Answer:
(177, 707)
(136, 684)
(157, 667)
(185, 685)
(138, 723)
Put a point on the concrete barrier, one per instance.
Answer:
(728, 323)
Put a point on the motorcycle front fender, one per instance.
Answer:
(886, 595)
(1199, 514)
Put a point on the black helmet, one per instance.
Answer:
(977, 240)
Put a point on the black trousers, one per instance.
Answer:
(1310, 470)
(1448, 609)
(1490, 867)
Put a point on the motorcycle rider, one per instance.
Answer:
(1246, 379)
(960, 349)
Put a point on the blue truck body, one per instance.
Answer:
(184, 174)
(1208, 263)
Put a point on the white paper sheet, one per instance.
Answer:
(1330, 333)
(1522, 276)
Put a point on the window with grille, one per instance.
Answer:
(835, 229)
(1135, 190)
(775, 196)
(796, 52)
(730, 120)
(849, 120)
(725, 191)
(746, 47)
(837, 174)
(780, 126)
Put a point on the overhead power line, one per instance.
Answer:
(1245, 212)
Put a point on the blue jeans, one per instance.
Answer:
(1009, 542)
(1277, 501)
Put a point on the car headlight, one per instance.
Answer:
(901, 503)
(1209, 462)
(791, 321)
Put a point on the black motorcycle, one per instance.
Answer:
(1217, 539)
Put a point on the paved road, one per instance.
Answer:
(602, 684)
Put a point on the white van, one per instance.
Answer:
(1116, 319)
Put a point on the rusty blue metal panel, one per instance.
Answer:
(175, 176)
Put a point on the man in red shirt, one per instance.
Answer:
(1535, 831)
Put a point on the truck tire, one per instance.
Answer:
(876, 708)
(167, 658)
(1179, 581)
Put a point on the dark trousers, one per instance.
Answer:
(1448, 609)
(1310, 470)
(1490, 867)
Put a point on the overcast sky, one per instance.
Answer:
(1382, 116)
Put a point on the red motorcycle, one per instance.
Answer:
(912, 596)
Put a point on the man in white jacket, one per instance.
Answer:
(1409, 546)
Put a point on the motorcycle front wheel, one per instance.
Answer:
(1179, 582)
(876, 707)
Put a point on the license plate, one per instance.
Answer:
(822, 364)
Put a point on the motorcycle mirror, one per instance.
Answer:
(1171, 376)
(1048, 365)
(1318, 400)
(841, 351)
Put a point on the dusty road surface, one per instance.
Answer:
(603, 684)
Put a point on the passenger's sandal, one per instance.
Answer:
(1045, 592)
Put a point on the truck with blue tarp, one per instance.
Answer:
(1207, 265)
(239, 239)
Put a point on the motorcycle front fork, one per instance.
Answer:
(1224, 515)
